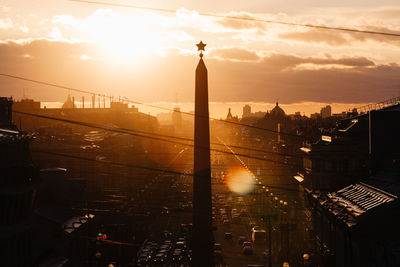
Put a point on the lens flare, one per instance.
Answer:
(240, 181)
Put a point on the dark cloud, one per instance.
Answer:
(394, 40)
(159, 78)
(387, 13)
(234, 53)
(317, 36)
(279, 62)
(243, 24)
(338, 38)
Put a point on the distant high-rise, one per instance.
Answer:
(202, 242)
(246, 111)
(177, 118)
(326, 112)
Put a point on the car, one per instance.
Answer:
(241, 239)
(167, 233)
(246, 244)
(160, 258)
(143, 259)
(228, 236)
(165, 247)
(176, 257)
(162, 251)
(180, 245)
(247, 250)
(189, 256)
(217, 246)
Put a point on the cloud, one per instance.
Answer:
(6, 24)
(317, 36)
(386, 13)
(250, 77)
(244, 21)
(285, 62)
(234, 53)
(337, 38)
(5, 9)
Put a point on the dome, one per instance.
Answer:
(277, 111)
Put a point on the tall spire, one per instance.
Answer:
(202, 223)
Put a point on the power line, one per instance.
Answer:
(141, 167)
(160, 135)
(205, 14)
(154, 134)
(144, 104)
(139, 133)
(130, 132)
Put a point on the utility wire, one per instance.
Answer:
(255, 19)
(158, 135)
(142, 167)
(91, 125)
(154, 134)
(144, 104)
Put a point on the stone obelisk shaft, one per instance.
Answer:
(202, 241)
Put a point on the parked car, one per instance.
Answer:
(228, 236)
(247, 250)
(241, 239)
(246, 244)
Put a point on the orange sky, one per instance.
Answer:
(151, 57)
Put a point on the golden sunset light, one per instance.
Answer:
(199, 133)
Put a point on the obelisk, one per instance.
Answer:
(202, 240)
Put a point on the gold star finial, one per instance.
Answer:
(200, 47)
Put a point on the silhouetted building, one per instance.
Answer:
(177, 118)
(246, 111)
(69, 103)
(26, 105)
(229, 116)
(17, 183)
(6, 113)
(277, 112)
(326, 112)
(352, 182)
(315, 115)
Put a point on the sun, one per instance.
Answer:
(122, 38)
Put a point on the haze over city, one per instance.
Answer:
(199, 133)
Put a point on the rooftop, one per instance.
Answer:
(353, 201)
(8, 136)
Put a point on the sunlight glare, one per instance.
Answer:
(240, 181)
(123, 38)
